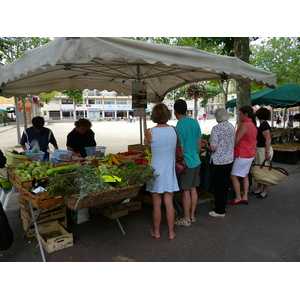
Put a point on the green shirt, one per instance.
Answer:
(189, 132)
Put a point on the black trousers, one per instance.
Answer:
(221, 182)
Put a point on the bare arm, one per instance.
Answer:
(267, 135)
(74, 153)
(242, 130)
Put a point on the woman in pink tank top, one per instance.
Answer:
(244, 153)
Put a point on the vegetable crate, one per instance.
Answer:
(103, 198)
(63, 221)
(55, 214)
(61, 240)
(136, 147)
(42, 199)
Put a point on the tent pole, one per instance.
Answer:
(17, 121)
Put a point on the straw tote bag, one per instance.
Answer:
(268, 175)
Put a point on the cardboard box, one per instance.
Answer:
(62, 241)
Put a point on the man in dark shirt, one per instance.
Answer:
(38, 132)
(80, 137)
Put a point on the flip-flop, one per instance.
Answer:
(152, 234)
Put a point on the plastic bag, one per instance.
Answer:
(80, 216)
(35, 146)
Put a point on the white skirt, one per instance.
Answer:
(241, 166)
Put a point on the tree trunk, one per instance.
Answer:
(243, 89)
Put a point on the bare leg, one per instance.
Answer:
(187, 204)
(236, 187)
(156, 214)
(265, 190)
(168, 200)
(194, 198)
(245, 181)
(259, 188)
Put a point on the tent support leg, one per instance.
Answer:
(117, 219)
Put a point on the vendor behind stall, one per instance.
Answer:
(38, 132)
(80, 137)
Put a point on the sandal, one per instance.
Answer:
(182, 222)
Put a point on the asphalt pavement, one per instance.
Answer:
(266, 230)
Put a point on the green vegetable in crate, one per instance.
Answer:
(32, 166)
(60, 170)
(21, 166)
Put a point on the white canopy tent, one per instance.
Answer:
(114, 63)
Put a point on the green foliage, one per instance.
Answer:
(4, 119)
(12, 48)
(278, 55)
(46, 98)
(76, 95)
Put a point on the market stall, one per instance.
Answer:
(47, 186)
(285, 141)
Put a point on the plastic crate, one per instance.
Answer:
(35, 156)
(95, 151)
(14, 159)
(64, 155)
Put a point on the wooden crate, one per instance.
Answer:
(120, 211)
(63, 221)
(63, 241)
(122, 158)
(42, 199)
(45, 217)
(133, 205)
(136, 147)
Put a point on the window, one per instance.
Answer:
(91, 101)
(109, 102)
(121, 102)
(66, 101)
(98, 101)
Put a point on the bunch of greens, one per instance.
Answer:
(137, 174)
(83, 181)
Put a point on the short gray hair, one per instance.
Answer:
(221, 114)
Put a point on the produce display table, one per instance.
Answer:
(99, 183)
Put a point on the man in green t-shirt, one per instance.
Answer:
(189, 134)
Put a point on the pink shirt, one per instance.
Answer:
(246, 146)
